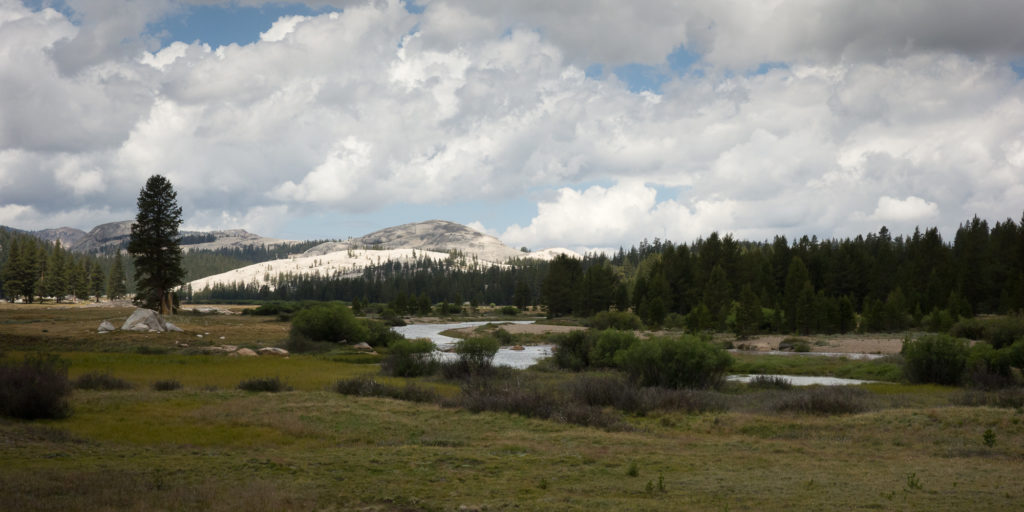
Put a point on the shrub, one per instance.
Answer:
(822, 400)
(621, 320)
(379, 334)
(607, 344)
(1009, 398)
(409, 358)
(573, 350)
(166, 385)
(329, 322)
(37, 387)
(299, 344)
(1000, 331)
(390, 317)
(606, 391)
(769, 382)
(528, 401)
(101, 381)
(675, 321)
(504, 337)
(366, 386)
(939, 320)
(477, 353)
(795, 344)
(935, 358)
(268, 384)
(987, 367)
(684, 362)
(509, 310)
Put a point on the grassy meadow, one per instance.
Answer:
(211, 446)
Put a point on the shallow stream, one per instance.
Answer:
(533, 353)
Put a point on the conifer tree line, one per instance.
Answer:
(31, 269)
(875, 282)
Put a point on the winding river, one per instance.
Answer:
(533, 353)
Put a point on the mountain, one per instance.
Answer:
(67, 236)
(114, 234)
(433, 235)
(433, 239)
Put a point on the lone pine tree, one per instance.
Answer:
(155, 244)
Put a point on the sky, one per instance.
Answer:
(588, 124)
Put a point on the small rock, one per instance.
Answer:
(199, 335)
(362, 345)
(517, 347)
(172, 327)
(245, 352)
(222, 337)
(106, 326)
(272, 351)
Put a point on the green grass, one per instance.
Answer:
(209, 446)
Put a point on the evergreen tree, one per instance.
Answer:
(561, 287)
(155, 245)
(717, 295)
(54, 281)
(96, 281)
(796, 277)
(748, 315)
(117, 286)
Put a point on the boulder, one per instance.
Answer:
(245, 352)
(272, 351)
(362, 345)
(144, 320)
(106, 326)
(172, 327)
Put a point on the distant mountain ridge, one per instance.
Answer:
(407, 243)
(113, 234)
(431, 235)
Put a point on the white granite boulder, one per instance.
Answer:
(144, 320)
(106, 326)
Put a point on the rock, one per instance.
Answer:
(144, 320)
(172, 327)
(517, 347)
(106, 326)
(272, 351)
(245, 352)
(199, 335)
(362, 345)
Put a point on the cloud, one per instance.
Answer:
(909, 209)
(375, 108)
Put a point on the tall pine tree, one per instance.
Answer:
(155, 245)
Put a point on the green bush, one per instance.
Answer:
(795, 345)
(477, 353)
(1000, 331)
(988, 367)
(822, 400)
(573, 350)
(366, 386)
(770, 382)
(268, 384)
(101, 381)
(935, 358)
(621, 320)
(378, 334)
(37, 387)
(683, 362)
(607, 344)
(504, 337)
(939, 320)
(509, 310)
(166, 385)
(329, 322)
(409, 358)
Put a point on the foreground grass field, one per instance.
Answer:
(209, 446)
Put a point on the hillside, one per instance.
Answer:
(434, 239)
(113, 234)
